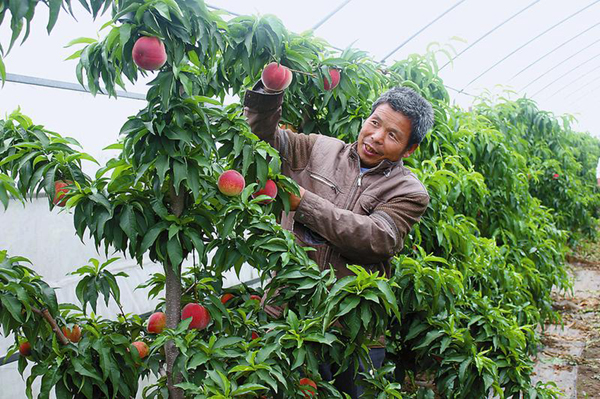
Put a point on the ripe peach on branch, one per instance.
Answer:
(60, 192)
(276, 77)
(199, 314)
(142, 348)
(231, 183)
(226, 297)
(308, 387)
(157, 322)
(25, 348)
(335, 79)
(72, 334)
(270, 190)
(149, 53)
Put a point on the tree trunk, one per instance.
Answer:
(173, 302)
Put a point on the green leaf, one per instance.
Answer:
(54, 6)
(175, 251)
(81, 40)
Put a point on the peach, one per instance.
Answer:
(270, 190)
(308, 387)
(60, 191)
(25, 348)
(231, 183)
(149, 53)
(142, 348)
(198, 313)
(72, 334)
(255, 298)
(335, 79)
(157, 322)
(276, 77)
(226, 297)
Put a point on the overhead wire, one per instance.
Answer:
(553, 50)
(559, 64)
(576, 79)
(565, 74)
(490, 32)
(586, 85)
(222, 9)
(58, 84)
(594, 90)
(422, 29)
(331, 14)
(529, 42)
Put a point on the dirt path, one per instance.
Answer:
(571, 355)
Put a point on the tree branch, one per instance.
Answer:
(48, 317)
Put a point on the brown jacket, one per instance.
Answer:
(347, 216)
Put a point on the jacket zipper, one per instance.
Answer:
(327, 183)
(348, 203)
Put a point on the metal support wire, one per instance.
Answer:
(331, 14)
(222, 9)
(553, 50)
(530, 41)
(57, 84)
(565, 74)
(576, 79)
(422, 29)
(583, 87)
(489, 32)
(587, 93)
(559, 64)
(460, 91)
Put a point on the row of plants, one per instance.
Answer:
(510, 187)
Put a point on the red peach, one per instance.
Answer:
(226, 297)
(60, 191)
(198, 313)
(231, 182)
(307, 392)
(276, 77)
(149, 53)
(157, 322)
(74, 334)
(335, 79)
(142, 348)
(25, 348)
(255, 298)
(270, 190)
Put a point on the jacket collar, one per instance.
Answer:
(384, 166)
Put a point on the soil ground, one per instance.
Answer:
(571, 353)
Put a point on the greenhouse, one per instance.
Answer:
(258, 199)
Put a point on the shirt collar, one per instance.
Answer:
(384, 166)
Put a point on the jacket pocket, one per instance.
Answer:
(368, 203)
(326, 182)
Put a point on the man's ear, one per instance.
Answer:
(410, 150)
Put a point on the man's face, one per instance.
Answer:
(384, 135)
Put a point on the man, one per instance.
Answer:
(357, 201)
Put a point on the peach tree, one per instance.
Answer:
(160, 199)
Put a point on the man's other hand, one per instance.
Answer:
(295, 200)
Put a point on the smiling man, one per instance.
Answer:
(357, 201)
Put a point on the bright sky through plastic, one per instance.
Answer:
(566, 79)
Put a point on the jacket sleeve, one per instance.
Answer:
(263, 111)
(364, 239)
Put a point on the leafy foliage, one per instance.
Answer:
(467, 293)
